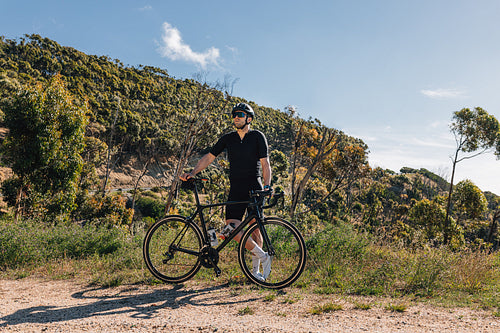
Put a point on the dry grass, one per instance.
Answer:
(325, 308)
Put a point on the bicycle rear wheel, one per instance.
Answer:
(289, 257)
(171, 249)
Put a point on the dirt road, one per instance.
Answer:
(34, 305)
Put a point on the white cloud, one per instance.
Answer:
(174, 48)
(436, 124)
(366, 138)
(147, 7)
(443, 93)
(432, 143)
(232, 49)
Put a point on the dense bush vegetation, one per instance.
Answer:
(29, 243)
(341, 261)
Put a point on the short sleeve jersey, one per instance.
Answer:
(244, 154)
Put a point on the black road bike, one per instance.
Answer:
(175, 247)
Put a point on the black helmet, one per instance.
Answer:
(245, 108)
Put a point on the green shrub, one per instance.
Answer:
(337, 242)
(424, 270)
(110, 210)
(335, 255)
(150, 207)
(25, 243)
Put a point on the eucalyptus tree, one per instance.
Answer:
(469, 201)
(313, 143)
(476, 132)
(426, 215)
(199, 122)
(43, 147)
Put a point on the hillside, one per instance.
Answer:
(146, 97)
(141, 115)
(145, 101)
(150, 101)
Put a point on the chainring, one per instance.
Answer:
(208, 253)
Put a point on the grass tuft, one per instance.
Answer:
(246, 311)
(325, 308)
(396, 307)
(362, 306)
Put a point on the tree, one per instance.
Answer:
(43, 146)
(493, 226)
(469, 208)
(347, 164)
(200, 122)
(476, 132)
(313, 143)
(469, 201)
(110, 151)
(427, 216)
(279, 164)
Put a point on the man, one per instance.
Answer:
(248, 162)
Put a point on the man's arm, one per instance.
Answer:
(201, 165)
(266, 170)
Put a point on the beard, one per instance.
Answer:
(242, 126)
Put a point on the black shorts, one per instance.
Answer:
(238, 192)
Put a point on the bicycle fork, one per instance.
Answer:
(265, 238)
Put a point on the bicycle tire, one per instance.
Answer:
(171, 249)
(289, 260)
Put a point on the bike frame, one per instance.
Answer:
(256, 213)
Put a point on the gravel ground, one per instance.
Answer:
(35, 305)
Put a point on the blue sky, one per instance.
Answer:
(391, 72)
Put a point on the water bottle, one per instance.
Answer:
(227, 230)
(212, 237)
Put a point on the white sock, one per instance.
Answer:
(255, 264)
(258, 252)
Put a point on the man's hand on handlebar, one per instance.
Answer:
(186, 176)
(269, 189)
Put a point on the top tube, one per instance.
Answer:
(257, 196)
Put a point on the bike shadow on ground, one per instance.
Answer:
(143, 304)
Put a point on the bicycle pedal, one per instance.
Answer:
(217, 271)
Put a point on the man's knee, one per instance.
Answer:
(235, 221)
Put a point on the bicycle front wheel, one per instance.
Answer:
(171, 249)
(289, 249)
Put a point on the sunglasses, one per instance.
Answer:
(239, 114)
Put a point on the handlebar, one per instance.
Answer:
(262, 194)
(275, 199)
(194, 179)
(190, 183)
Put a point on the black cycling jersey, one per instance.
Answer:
(244, 154)
(244, 166)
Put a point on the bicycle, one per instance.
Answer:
(175, 247)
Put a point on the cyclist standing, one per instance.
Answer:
(248, 165)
